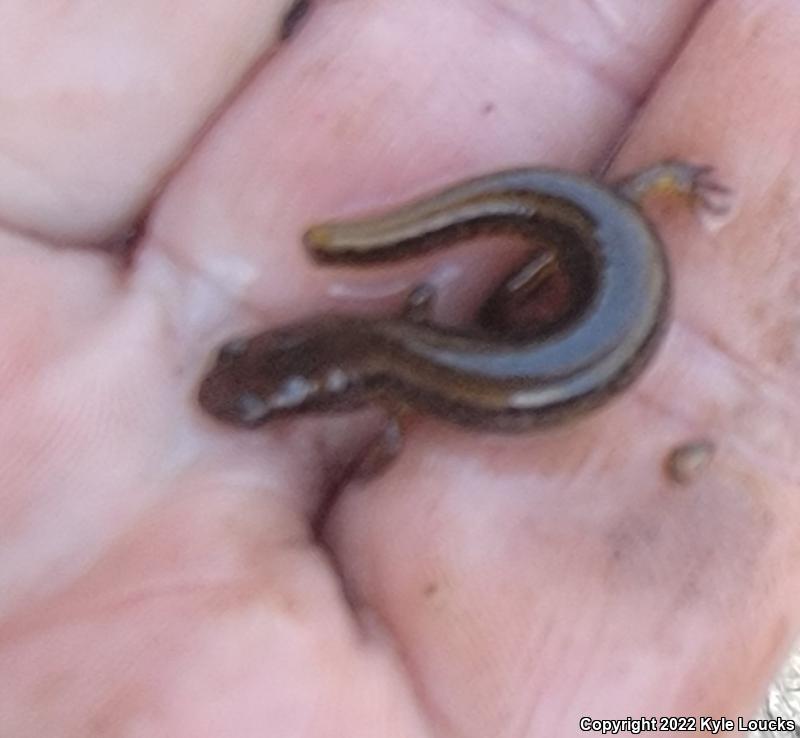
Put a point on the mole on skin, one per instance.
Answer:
(688, 461)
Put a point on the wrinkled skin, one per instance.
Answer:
(162, 575)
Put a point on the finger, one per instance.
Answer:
(104, 105)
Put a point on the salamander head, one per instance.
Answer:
(307, 367)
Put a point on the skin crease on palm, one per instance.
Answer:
(162, 575)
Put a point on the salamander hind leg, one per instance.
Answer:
(535, 299)
(692, 182)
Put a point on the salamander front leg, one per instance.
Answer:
(419, 303)
(384, 449)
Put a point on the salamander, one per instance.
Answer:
(478, 376)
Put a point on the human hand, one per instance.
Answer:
(163, 575)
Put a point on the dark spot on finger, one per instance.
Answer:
(294, 15)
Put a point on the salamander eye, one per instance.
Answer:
(251, 409)
(232, 350)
